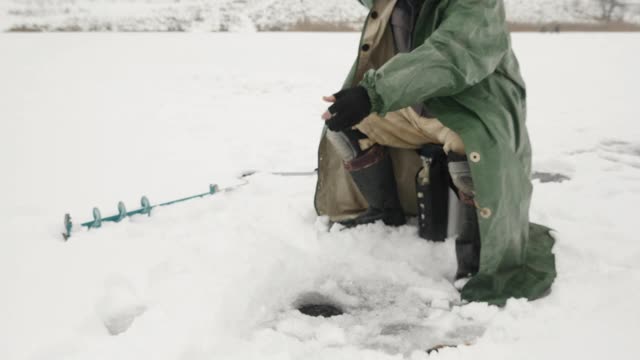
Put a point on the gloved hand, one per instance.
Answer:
(351, 106)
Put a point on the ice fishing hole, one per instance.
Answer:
(317, 305)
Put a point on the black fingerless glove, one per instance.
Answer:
(351, 107)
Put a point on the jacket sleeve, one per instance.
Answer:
(467, 46)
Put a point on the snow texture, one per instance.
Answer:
(184, 15)
(251, 15)
(89, 119)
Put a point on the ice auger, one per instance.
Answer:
(146, 207)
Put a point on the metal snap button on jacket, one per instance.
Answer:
(374, 15)
(366, 47)
(485, 213)
(475, 157)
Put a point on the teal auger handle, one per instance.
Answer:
(213, 189)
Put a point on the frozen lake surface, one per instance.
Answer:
(90, 119)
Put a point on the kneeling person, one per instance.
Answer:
(444, 73)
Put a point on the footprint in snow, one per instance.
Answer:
(119, 306)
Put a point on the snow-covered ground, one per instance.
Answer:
(89, 119)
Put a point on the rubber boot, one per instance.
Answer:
(373, 174)
(468, 243)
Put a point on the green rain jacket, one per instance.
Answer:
(463, 69)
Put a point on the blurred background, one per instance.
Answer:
(285, 15)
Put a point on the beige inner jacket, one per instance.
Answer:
(402, 131)
(405, 128)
